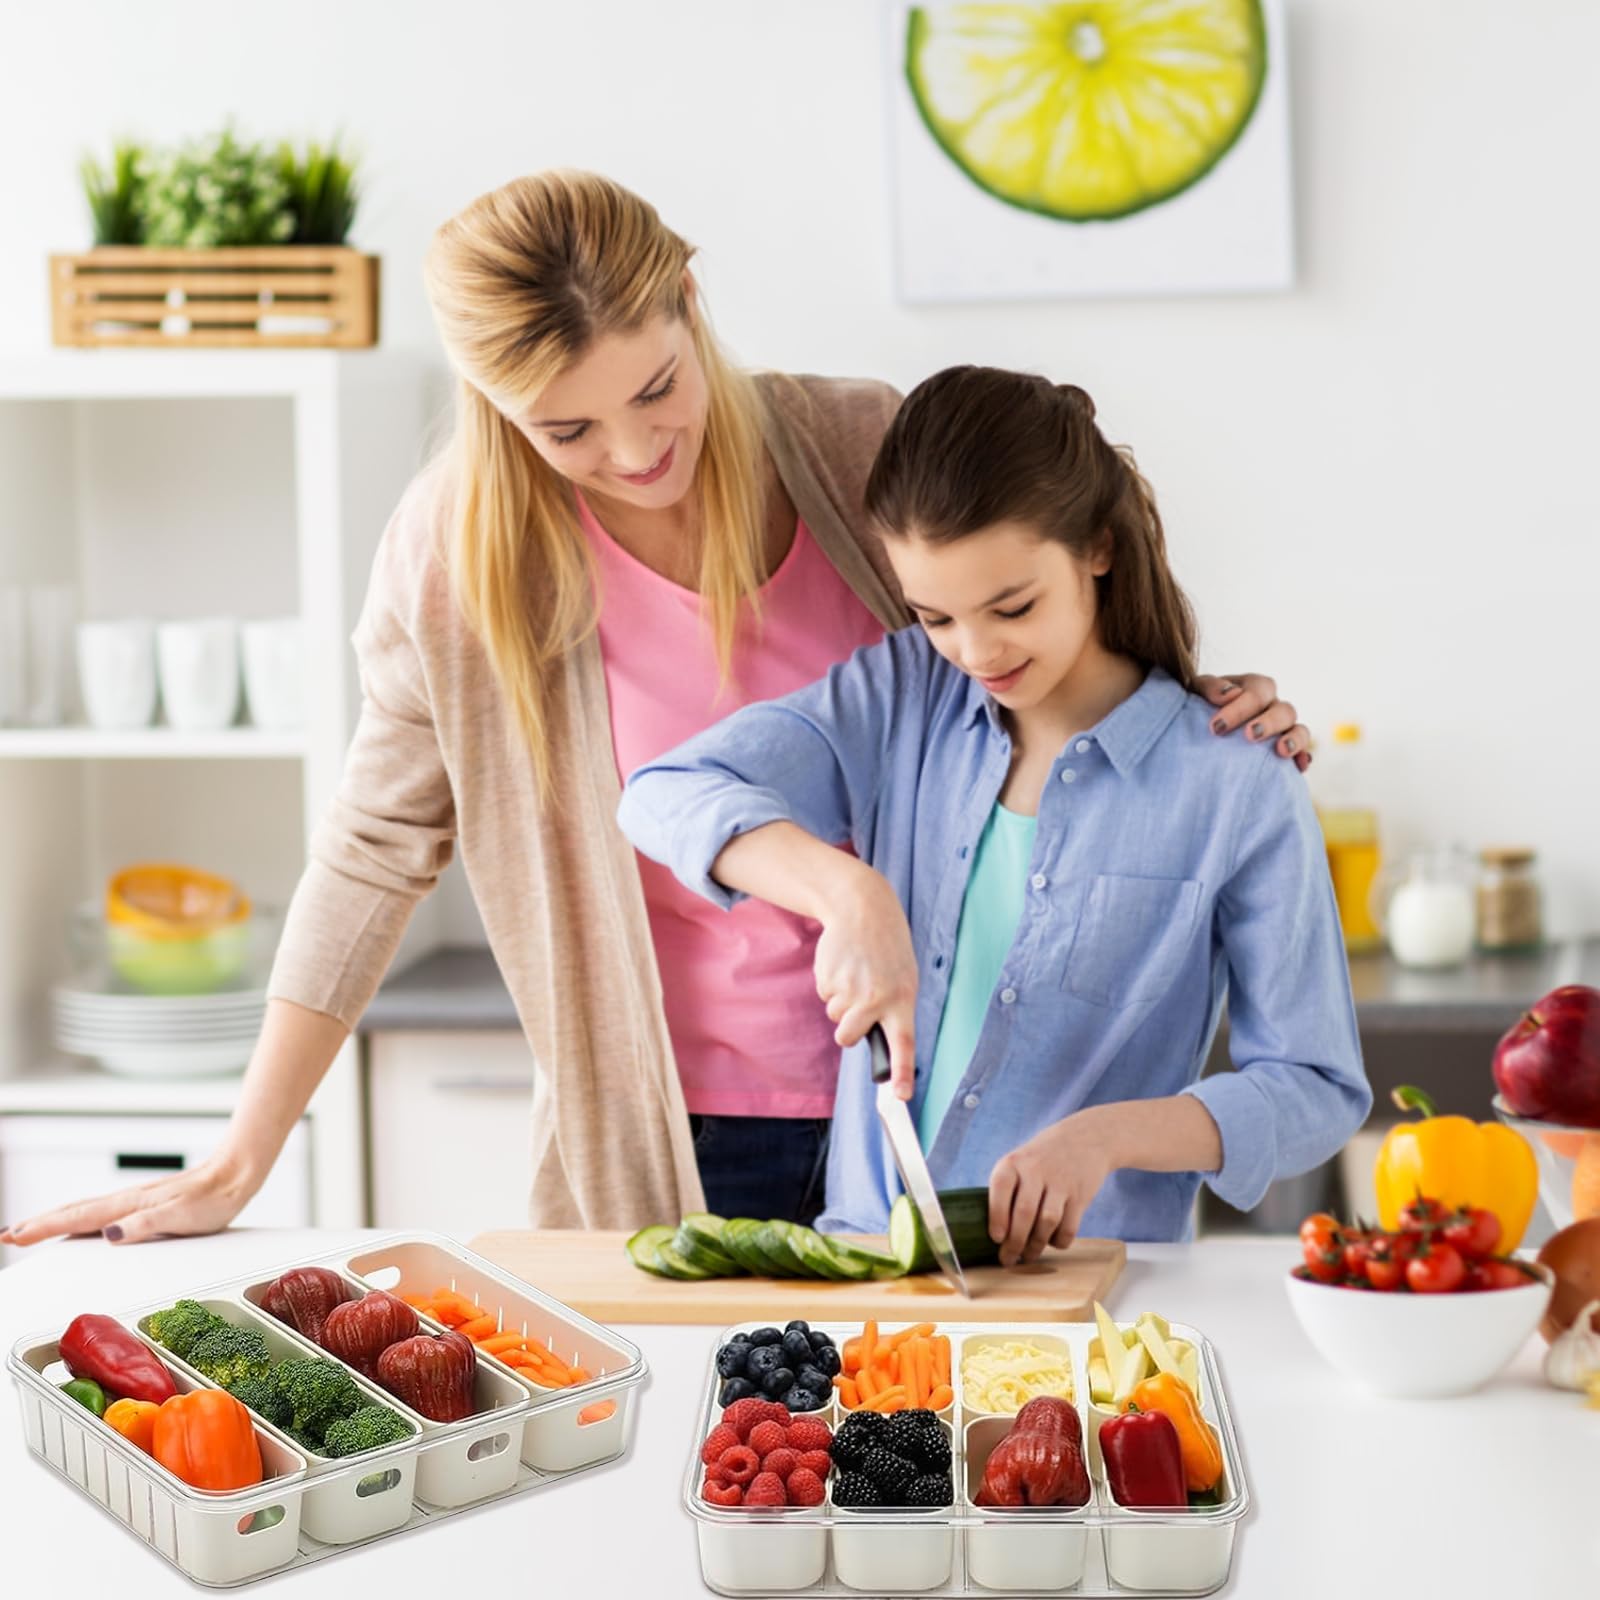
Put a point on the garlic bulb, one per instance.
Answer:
(1575, 1355)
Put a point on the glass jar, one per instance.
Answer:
(1509, 905)
(1427, 909)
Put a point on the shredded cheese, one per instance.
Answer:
(1002, 1378)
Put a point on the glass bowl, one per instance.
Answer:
(1556, 1148)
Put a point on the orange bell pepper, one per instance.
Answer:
(1172, 1397)
(207, 1439)
(135, 1420)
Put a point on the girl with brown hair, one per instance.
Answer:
(1057, 873)
(627, 537)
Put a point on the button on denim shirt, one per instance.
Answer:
(1172, 870)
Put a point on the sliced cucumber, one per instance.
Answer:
(773, 1237)
(702, 1248)
(737, 1242)
(966, 1214)
(872, 1263)
(847, 1266)
(814, 1250)
(642, 1247)
(669, 1264)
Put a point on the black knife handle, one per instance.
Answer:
(878, 1042)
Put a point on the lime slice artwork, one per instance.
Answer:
(1091, 111)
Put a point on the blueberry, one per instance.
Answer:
(763, 1358)
(731, 1360)
(810, 1377)
(766, 1336)
(819, 1341)
(735, 1389)
(796, 1348)
(798, 1324)
(826, 1362)
(779, 1381)
(798, 1399)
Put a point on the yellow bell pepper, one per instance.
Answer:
(1458, 1162)
(1197, 1439)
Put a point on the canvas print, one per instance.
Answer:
(1101, 147)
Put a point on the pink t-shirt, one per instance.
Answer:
(750, 1035)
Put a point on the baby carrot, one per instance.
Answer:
(866, 1384)
(941, 1358)
(941, 1397)
(923, 1330)
(869, 1344)
(849, 1395)
(598, 1412)
(850, 1355)
(483, 1327)
(922, 1363)
(497, 1343)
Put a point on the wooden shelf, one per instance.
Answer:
(147, 744)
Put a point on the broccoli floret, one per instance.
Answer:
(181, 1327)
(260, 1393)
(319, 1393)
(229, 1354)
(366, 1429)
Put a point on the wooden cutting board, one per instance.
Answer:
(591, 1272)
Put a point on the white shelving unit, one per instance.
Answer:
(188, 483)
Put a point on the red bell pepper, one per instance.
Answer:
(118, 1360)
(1144, 1461)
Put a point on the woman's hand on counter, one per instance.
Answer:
(1250, 700)
(204, 1199)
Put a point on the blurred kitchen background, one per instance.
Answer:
(1372, 482)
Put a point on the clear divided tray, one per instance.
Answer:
(520, 1436)
(1097, 1549)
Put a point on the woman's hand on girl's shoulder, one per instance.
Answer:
(1250, 701)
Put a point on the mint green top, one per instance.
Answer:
(990, 912)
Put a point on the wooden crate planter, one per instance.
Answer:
(273, 297)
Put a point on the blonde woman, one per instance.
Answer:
(627, 538)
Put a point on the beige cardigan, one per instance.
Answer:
(559, 893)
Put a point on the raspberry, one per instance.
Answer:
(721, 1438)
(766, 1490)
(805, 1488)
(766, 1437)
(722, 1494)
(781, 1461)
(817, 1461)
(738, 1464)
(777, 1411)
(744, 1414)
(809, 1433)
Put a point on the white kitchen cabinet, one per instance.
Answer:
(47, 1160)
(449, 1120)
(173, 484)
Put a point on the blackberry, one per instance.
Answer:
(858, 1434)
(921, 1436)
(932, 1489)
(856, 1489)
(891, 1473)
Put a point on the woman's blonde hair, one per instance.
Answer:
(523, 283)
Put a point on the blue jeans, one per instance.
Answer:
(762, 1167)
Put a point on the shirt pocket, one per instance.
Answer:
(1131, 939)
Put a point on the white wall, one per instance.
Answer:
(1373, 485)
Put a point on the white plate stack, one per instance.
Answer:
(158, 1036)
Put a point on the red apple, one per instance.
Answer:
(1548, 1066)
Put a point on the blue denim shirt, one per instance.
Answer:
(1171, 869)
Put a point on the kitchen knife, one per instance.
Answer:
(913, 1165)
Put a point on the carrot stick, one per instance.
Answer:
(484, 1327)
(894, 1366)
(850, 1356)
(941, 1397)
(922, 1372)
(941, 1358)
(497, 1343)
(923, 1330)
(866, 1384)
(892, 1399)
(849, 1395)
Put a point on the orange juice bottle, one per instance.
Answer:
(1350, 831)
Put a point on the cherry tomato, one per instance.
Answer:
(1384, 1268)
(1473, 1231)
(1421, 1215)
(1357, 1250)
(1438, 1269)
(1496, 1274)
(1320, 1232)
(1328, 1268)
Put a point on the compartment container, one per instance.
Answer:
(312, 1506)
(1033, 1548)
(458, 1462)
(216, 1537)
(564, 1429)
(1099, 1549)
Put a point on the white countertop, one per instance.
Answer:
(1489, 1495)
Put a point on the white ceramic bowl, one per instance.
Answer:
(1417, 1346)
